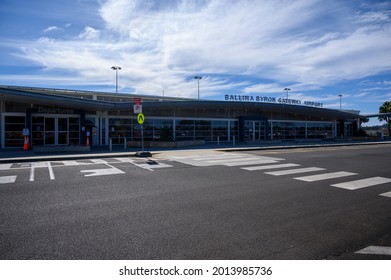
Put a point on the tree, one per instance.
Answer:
(386, 108)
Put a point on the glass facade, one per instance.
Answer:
(13, 131)
(55, 130)
(166, 119)
(255, 130)
(300, 130)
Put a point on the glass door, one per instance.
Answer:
(50, 131)
(55, 130)
(63, 131)
(255, 131)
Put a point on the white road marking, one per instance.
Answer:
(250, 162)
(387, 194)
(32, 173)
(150, 167)
(211, 159)
(51, 173)
(100, 172)
(294, 171)
(229, 159)
(7, 179)
(359, 184)
(325, 176)
(124, 159)
(36, 165)
(274, 166)
(99, 161)
(5, 166)
(40, 164)
(375, 250)
(70, 163)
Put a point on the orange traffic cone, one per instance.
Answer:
(88, 141)
(25, 145)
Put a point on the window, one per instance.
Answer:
(13, 131)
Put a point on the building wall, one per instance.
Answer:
(65, 126)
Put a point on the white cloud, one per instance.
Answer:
(304, 45)
(89, 33)
(51, 28)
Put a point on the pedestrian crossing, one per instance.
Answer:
(364, 183)
(325, 176)
(294, 171)
(273, 166)
(226, 159)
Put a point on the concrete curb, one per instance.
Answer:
(134, 153)
(300, 146)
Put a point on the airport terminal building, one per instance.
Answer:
(65, 117)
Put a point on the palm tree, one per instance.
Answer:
(386, 108)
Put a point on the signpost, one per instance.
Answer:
(137, 108)
(140, 120)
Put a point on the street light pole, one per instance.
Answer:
(198, 78)
(116, 68)
(340, 101)
(287, 90)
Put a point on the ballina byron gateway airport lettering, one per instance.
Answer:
(265, 99)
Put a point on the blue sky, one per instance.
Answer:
(318, 49)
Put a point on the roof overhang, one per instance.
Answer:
(27, 97)
(221, 105)
(46, 98)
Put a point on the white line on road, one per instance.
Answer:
(375, 250)
(106, 171)
(359, 184)
(325, 176)
(294, 171)
(228, 159)
(250, 162)
(211, 158)
(70, 163)
(274, 166)
(99, 161)
(100, 172)
(32, 172)
(5, 166)
(387, 194)
(51, 173)
(153, 166)
(124, 159)
(7, 179)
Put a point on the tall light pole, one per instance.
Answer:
(116, 68)
(287, 90)
(198, 78)
(340, 101)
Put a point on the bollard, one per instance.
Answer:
(111, 144)
(125, 143)
(233, 140)
(218, 140)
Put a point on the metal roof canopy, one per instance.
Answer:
(41, 97)
(23, 96)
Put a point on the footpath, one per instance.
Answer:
(11, 155)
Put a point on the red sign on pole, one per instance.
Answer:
(137, 107)
(137, 101)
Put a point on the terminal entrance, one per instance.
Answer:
(255, 131)
(55, 130)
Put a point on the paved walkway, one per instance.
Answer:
(18, 155)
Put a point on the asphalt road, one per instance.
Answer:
(200, 205)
